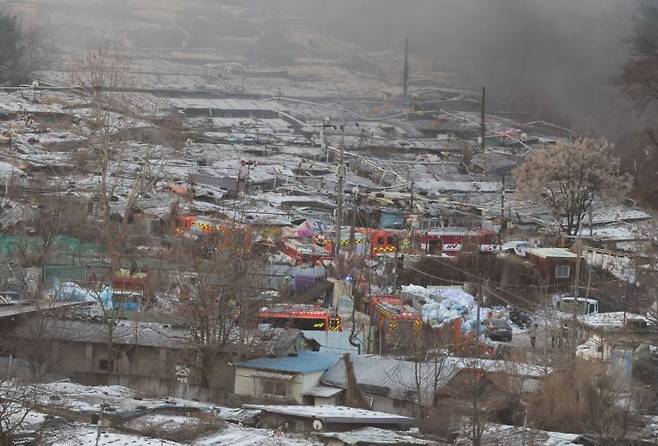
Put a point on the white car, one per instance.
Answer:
(519, 247)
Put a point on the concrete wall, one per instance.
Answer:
(148, 370)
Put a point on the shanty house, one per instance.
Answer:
(396, 386)
(557, 266)
(286, 379)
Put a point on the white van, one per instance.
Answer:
(583, 305)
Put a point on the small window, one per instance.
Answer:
(391, 241)
(562, 271)
(105, 365)
(274, 387)
(380, 240)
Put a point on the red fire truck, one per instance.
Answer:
(370, 242)
(398, 325)
(450, 241)
(303, 252)
(197, 227)
(301, 317)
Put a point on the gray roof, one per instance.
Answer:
(394, 378)
(397, 379)
(259, 344)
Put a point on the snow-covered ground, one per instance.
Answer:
(613, 320)
(499, 434)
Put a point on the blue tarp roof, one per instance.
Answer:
(304, 362)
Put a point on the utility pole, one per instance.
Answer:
(483, 125)
(575, 293)
(405, 74)
(502, 205)
(339, 195)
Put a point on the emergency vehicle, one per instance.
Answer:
(301, 317)
(450, 241)
(398, 325)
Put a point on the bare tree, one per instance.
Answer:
(17, 402)
(568, 176)
(216, 296)
(104, 76)
(431, 367)
(586, 397)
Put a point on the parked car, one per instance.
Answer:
(499, 330)
(518, 247)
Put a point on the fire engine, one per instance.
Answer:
(197, 227)
(369, 242)
(450, 241)
(301, 317)
(398, 325)
(303, 252)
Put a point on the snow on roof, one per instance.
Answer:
(87, 399)
(220, 104)
(458, 186)
(619, 232)
(336, 414)
(168, 423)
(304, 362)
(374, 435)
(552, 253)
(602, 214)
(86, 436)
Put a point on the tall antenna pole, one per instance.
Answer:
(405, 75)
(339, 195)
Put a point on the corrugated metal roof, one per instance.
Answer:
(393, 377)
(304, 362)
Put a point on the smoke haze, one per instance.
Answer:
(547, 59)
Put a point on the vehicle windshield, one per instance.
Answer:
(500, 323)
